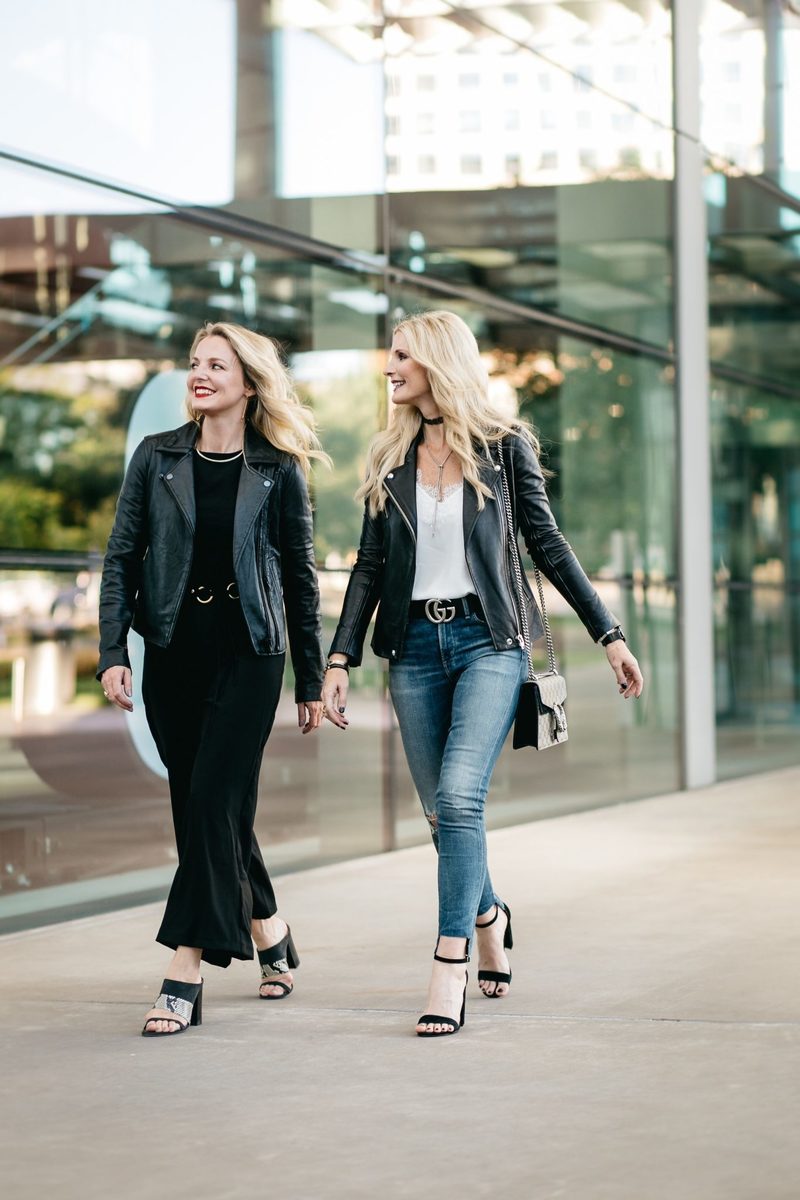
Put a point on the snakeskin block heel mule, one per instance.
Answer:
(183, 1004)
(275, 961)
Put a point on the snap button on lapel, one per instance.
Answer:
(170, 475)
(266, 483)
(390, 475)
(496, 467)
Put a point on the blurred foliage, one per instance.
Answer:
(607, 426)
(349, 412)
(61, 456)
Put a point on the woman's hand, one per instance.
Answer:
(117, 686)
(626, 669)
(309, 715)
(334, 696)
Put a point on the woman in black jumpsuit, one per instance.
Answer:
(211, 541)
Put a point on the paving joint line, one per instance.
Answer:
(563, 1018)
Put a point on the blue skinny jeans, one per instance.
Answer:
(455, 697)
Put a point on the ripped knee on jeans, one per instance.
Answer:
(433, 821)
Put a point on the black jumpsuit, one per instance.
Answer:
(210, 702)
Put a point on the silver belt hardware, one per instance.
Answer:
(439, 611)
(204, 595)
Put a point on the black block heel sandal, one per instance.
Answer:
(183, 1004)
(508, 941)
(278, 960)
(433, 1018)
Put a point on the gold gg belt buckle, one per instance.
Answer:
(439, 611)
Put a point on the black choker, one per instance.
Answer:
(433, 420)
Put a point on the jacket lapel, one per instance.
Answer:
(179, 479)
(250, 498)
(489, 474)
(401, 484)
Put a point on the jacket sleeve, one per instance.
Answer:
(300, 586)
(363, 591)
(546, 544)
(122, 566)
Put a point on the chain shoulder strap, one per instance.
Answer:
(524, 631)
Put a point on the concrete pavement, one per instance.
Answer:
(649, 1050)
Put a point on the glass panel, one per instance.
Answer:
(97, 317)
(539, 194)
(750, 56)
(754, 302)
(756, 446)
(124, 102)
(607, 424)
(619, 49)
(537, 136)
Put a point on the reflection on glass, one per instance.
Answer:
(756, 445)
(750, 57)
(607, 424)
(754, 260)
(84, 87)
(114, 306)
(523, 162)
(575, 93)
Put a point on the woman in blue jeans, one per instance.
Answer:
(434, 558)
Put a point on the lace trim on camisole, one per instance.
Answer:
(430, 489)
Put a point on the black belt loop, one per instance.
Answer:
(440, 611)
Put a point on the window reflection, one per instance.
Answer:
(756, 443)
(523, 150)
(751, 87)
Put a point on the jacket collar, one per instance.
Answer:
(401, 484)
(254, 487)
(184, 439)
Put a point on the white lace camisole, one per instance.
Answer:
(441, 569)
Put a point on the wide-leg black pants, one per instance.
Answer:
(210, 703)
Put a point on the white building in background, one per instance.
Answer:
(490, 119)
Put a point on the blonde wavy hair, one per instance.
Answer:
(274, 411)
(446, 347)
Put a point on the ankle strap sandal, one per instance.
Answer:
(496, 977)
(435, 1018)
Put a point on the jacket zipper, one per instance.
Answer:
(263, 591)
(399, 508)
(414, 540)
(187, 575)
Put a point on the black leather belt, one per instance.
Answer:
(439, 611)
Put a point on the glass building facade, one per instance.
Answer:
(315, 169)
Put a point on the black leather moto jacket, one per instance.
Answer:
(149, 556)
(384, 570)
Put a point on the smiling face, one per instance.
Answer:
(409, 380)
(216, 380)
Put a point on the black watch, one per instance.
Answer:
(613, 635)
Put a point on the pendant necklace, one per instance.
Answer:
(439, 497)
